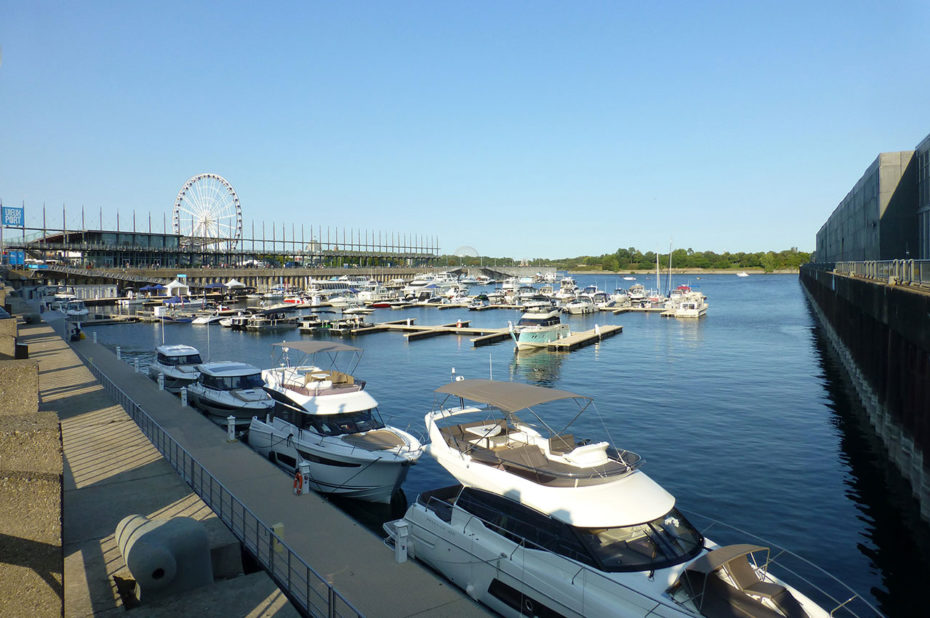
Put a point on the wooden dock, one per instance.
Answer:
(486, 336)
(584, 338)
(638, 310)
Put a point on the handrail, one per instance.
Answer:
(311, 593)
(900, 272)
(782, 566)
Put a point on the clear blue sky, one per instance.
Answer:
(523, 129)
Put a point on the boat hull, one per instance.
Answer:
(335, 468)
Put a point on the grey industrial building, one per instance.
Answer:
(886, 215)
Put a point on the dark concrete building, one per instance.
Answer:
(922, 157)
(886, 215)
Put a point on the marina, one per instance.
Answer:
(699, 351)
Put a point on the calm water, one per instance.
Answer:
(744, 416)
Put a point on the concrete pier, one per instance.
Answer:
(356, 562)
(880, 333)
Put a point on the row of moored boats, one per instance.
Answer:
(540, 521)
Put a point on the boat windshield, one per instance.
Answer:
(341, 424)
(540, 321)
(231, 383)
(668, 540)
(173, 361)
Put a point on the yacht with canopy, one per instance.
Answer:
(328, 420)
(545, 524)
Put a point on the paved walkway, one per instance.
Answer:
(110, 471)
(356, 561)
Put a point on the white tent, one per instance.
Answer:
(232, 283)
(176, 288)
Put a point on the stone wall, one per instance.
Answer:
(880, 333)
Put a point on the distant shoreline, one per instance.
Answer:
(688, 271)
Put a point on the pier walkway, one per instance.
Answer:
(360, 570)
(110, 470)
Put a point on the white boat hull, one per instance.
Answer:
(335, 467)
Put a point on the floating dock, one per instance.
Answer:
(486, 336)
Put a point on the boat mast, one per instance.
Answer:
(658, 286)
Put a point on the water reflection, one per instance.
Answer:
(894, 539)
(538, 367)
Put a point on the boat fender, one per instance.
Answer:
(298, 483)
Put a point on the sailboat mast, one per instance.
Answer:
(669, 269)
(658, 286)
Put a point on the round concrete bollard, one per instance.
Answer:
(94, 335)
(119, 353)
(183, 395)
(135, 364)
(165, 557)
(161, 381)
(230, 428)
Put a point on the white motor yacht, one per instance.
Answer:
(229, 388)
(75, 309)
(544, 524)
(537, 329)
(178, 363)
(331, 422)
(580, 305)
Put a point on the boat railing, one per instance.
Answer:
(438, 501)
(305, 587)
(841, 598)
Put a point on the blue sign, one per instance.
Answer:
(14, 258)
(13, 217)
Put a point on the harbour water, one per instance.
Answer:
(743, 415)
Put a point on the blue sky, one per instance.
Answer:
(523, 129)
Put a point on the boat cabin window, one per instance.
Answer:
(340, 424)
(229, 383)
(517, 522)
(546, 321)
(174, 361)
(667, 541)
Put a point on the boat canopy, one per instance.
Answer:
(507, 396)
(314, 347)
(715, 559)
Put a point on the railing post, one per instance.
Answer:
(119, 353)
(184, 396)
(230, 428)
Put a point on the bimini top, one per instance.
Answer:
(507, 396)
(313, 347)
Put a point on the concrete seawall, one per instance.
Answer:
(880, 332)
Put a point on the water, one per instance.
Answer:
(744, 416)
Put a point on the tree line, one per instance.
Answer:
(634, 259)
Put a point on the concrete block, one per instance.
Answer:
(30, 445)
(19, 387)
(8, 327)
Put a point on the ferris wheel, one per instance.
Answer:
(207, 213)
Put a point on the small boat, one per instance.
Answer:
(629, 278)
(229, 388)
(742, 273)
(271, 321)
(76, 310)
(581, 305)
(178, 363)
(308, 323)
(537, 329)
(330, 422)
(544, 524)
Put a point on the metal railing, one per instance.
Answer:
(902, 272)
(311, 593)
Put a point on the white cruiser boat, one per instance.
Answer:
(543, 524)
(76, 309)
(581, 305)
(331, 422)
(537, 329)
(230, 388)
(178, 363)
